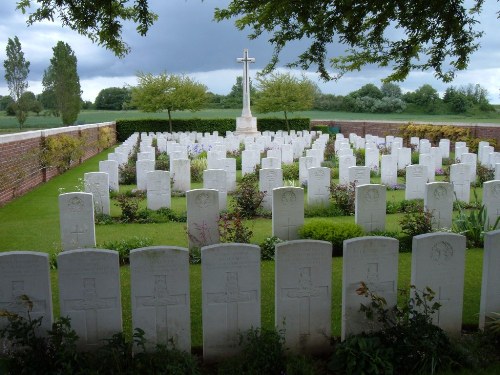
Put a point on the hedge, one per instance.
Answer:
(125, 128)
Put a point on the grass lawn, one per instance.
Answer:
(31, 222)
(9, 123)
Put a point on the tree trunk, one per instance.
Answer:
(169, 120)
(286, 122)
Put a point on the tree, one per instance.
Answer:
(369, 90)
(407, 35)
(16, 76)
(286, 93)
(62, 78)
(168, 92)
(112, 98)
(391, 90)
(48, 100)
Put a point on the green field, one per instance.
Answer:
(9, 124)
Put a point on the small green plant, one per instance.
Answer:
(129, 205)
(413, 224)
(493, 323)
(127, 174)
(327, 230)
(198, 165)
(195, 255)
(162, 162)
(343, 196)
(247, 198)
(473, 223)
(61, 151)
(484, 174)
(268, 248)
(232, 228)
(124, 246)
(290, 171)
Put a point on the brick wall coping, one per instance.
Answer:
(7, 138)
(469, 124)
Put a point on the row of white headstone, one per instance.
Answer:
(90, 291)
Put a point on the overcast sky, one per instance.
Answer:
(185, 39)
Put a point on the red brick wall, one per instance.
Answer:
(381, 128)
(20, 167)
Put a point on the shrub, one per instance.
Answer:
(414, 223)
(484, 174)
(360, 156)
(105, 137)
(412, 205)
(290, 171)
(127, 174)
(322, 211)
(268, 247)
(129, 206)
(162, 162)
(124, 246)
(327, 230)
(344, 197)
(198, 165)
(61, 151)
(472, 224)
(247, 198)
(232, 228)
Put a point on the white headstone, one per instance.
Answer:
(142, 168)
(303, 294)
(370, 207)
(160, 295)
(345, 162)
(372, 159)
(230, 297)
(270, 163)
(460, 179)
(89, 294)
(76, 220)
(202, 217)
(444, 145)
(438, 200)
(491, 201)
(25, 279)
(490, 295)
(181, 174)
(438, 262)
(229, 165)
(111, 168)
(158, 190)
(428, 161)
(305, 162)
(373, 261)
(388, 170)
(97, 183)
(404, 157)
(216, 179)
(471, 160)
(497, 171)
(359, 175)
(416, 178)
(318, 187)
(288, 212)
(287, 154)
(269, 179)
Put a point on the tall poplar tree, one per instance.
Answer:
(62, 79)
(16, 76)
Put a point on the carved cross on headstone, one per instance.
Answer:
(161, 300)
(246, 83)
(76, 232)
(18, 303)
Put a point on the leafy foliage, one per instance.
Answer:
(124, 246)
(112, 98)
(61, 150)
(247, 198)
(232, 228)
(327, 230)
(414, 223)
(344, 196)
(472, 224)
(268, 248)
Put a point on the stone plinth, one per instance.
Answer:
(246, 126)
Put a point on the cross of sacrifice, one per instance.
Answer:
(161, 300)
(246, 83)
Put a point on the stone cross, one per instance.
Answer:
(246, 83)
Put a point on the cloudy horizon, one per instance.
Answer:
(186, 40)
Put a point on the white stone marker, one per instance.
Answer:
(25, 273)
(491, 201)
(249, 161)
(305, 162)
(76, 220)
(438, 262)
(181, 174)
(345, 162)
(216, 179)
(142, 168)
(158, 190)
(159, 278)
(437, 158)
(269, 179)
(97, 183)
(229, 165)
(89, 294)
(111, 168)
(490, 294)
(404, 157)
(287, 154)
(359, 175)
(460, 179)
(388, 170)
(288, 212)
(370, 207)
(471, 160)
(416, 178)
(303, 294)
(444, 145)
(202, 217)
(270, 163)
(428, 161)
(230, 296)
(372, 159)
(497, 171)
(318, 187)
(374, 261)
(438, 200)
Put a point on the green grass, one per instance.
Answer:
(9, 123)
(31, 222)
